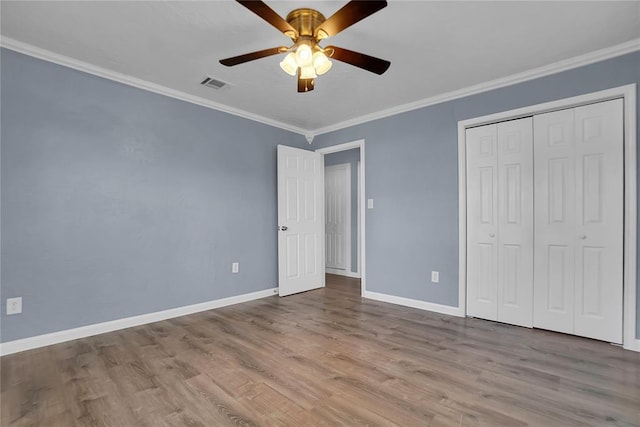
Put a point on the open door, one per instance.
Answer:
(300, 220)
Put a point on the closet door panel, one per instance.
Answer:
(482, 207)
(599, 217)
(554, 188)
(515, 222)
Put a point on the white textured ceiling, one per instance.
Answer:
(434, 48)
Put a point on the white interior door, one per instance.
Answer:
(337, 182)
(579, 221)
(515, 222)
(300, 220)
(482, 216)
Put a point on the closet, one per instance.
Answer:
(545, 221)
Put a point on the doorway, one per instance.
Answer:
(344, 216)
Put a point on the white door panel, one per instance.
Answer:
(338, 216)
(599, 205)
(515, 222)
(554, 221)
(482, 216)
(300, 220)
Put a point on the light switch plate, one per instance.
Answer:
(369, 203)
(435, 277)
(235, 267)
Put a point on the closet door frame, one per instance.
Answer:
(628, 95)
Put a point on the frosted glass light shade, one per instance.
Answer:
(304, 56)
(307, 72)
(289, 65)
(321, 63)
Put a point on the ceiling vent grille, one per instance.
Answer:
(213, 83)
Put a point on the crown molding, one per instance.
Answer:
(557, 67)
(535, 73)
(76, 64)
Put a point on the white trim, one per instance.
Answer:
(69, 62)
(556, 67)
(414, 303)
(345, 273)
(127, 322)
(628, 93)
(630, 219)
(348, 216)
(362, 218)
(359, 191)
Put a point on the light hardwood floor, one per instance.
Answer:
(323, 358)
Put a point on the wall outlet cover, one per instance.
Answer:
(235, 267)
(14, 305)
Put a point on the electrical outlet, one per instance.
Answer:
(235, 267)
(435, 277)
(14, 305)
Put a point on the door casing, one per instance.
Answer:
(361, 203)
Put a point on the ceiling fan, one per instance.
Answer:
(306, 28)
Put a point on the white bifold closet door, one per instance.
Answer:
(500, 222)
(579, 221)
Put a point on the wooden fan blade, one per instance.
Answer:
(253, 55)
(269, 15)
(366, 62)
(350, 13)
(305, 85)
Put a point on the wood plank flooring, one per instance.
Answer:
(322, 358)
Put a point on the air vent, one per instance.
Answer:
(213, 83)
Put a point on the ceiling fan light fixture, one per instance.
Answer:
(321, 63)
(289, 64)
(306, 28)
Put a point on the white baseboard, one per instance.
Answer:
(114, 325)
(635, 345)
(414, 303)
(342, 272)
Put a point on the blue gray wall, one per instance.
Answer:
(352, 157)
(118, 202)
(412, 173)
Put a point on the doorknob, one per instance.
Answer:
(283, 228)
(492, 235)
(583, 236)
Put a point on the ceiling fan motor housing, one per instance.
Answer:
(305, 21)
